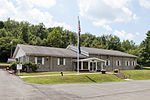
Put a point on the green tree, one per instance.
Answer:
(145, 51)
(54, 38)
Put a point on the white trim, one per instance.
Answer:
(58, 61)
(81, 65)
(128, 63)
(35, 58)
(117, 63)
(42, 60)
(133, 63)
(106, 62)
(93, 58)
(89, 65)
(64, 61)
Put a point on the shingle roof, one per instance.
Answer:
(106, 52)
(47, 51)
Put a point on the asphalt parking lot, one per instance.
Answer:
(13, 88)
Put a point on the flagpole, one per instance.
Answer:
(78, 51)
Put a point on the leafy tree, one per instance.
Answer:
(5, 47)
(1, 24)
(145, 51)
(54, 38)
(3, 33)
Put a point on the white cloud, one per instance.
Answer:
(144, 3)
(123, 35)
(107, 27)
(105, 12)
(29, 10)
(137, 33)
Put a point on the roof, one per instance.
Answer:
(87, 51)
(47, 51)
(106, 52)
(93, 59)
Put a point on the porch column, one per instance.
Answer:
(96, 66)
(88, 65)
(101, 65)
(81, 65)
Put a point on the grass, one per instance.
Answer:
(4, 64)
(146, 68)
(46, 73)
(137, 74)
(86, 78)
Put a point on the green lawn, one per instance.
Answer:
(5, 64)
(137, 74)
(146, 68)
(88, 78)
(46, 73)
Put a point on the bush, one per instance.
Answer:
(138, 66)
(29, 67)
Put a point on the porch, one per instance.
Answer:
(90, 64)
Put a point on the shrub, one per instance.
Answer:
(29, 67)
(138, 66)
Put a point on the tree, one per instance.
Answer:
(3, 33)
(1, 24)
(145, 51)
(54, 38)
(5, 47)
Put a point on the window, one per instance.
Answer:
(107, 63)
(127, 63)
(133, 63)
(39, 60)
(61, 61)
(118, 63)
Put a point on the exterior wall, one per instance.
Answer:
(51, 64)
(113, 60)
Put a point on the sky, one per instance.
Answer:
(127, 19)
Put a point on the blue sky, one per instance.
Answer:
(128, 19)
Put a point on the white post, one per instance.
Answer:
(82, 65)
(18, 71)
(78, 62)
(96, 66)
(92, 66)
(88, 65)
(101, 65)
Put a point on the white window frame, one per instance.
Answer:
(127, 63)
(117, 63)
(42, 60)
(64, 61)
(133, 63)
(108, 63)
(58, 61)
(35, 58)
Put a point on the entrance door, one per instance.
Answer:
(93, 66)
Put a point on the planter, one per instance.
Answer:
(116, 71)
(103, 71)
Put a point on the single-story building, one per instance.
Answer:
(65, 59)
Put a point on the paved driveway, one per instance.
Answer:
(13, 88)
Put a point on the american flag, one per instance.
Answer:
(79, 36)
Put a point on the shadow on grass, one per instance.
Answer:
(90, 79)
(146, 68)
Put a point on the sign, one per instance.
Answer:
(19, 66)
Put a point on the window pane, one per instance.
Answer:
(39, 60)
(61, 61)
